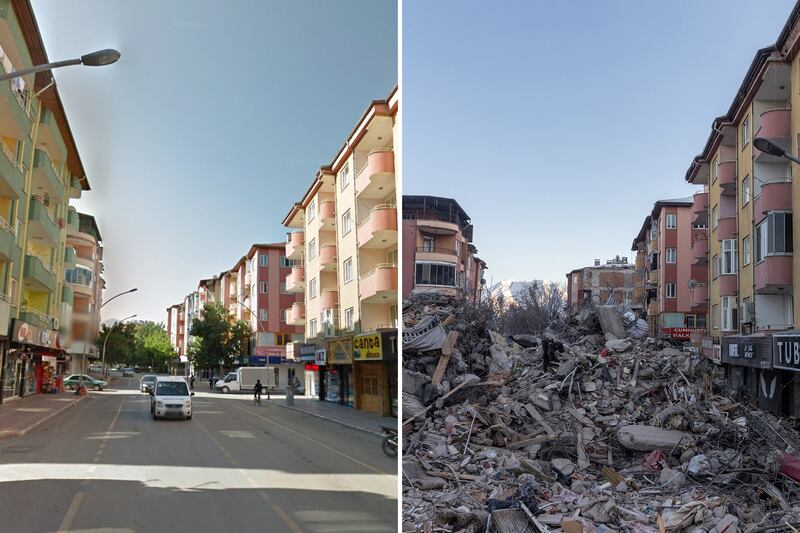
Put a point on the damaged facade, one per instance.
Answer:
(599, 284)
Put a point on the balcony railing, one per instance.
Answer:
(435, 250)
(36, 317)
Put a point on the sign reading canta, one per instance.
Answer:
(786, 351)
(367, 347)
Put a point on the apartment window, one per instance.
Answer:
(428, 244)
(286, 263)
(715, 169)
(458, 248)
(347, 222)
(670, 290)
(746, 250)
(729, 314)
(715, 267)
(746, 190)
(312, 327)
(348, 319)
(312, 248)
(391, 257)
(691, 321)
(653, 230)
(672, 255)
(347, 266)
(312, 288)
(263, 314)
(344, 176)
(774, 236)
(715, 216)
(730, 256)
(715, 316)
(263, 287)
(672, 220)
(653, 263)
(263, 260)
(435, 274)
(311, 210)
(701, 321)
(282, 339)
(745, 131)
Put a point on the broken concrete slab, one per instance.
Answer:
(648, 438)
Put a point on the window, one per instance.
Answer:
(670, 290)
(391, 257)
(263, 260)
(428, 244)
(393, 315)
(654, 230)
(730, 256)
(285, 316)
(745, 131)
(714, 170)
(312, 289)
(774, 235)
(672, 220)
(344, 176)
(266, 339)
(715, 316)
(312, 327)
(282, 339)
(263, 314)
(756, 187)
(347, 222)
(746, 190)
(729, 313)
(691, 321)
(286, 263)
(746, 250)
(701, 321)
(715, 267)
(715, 216)
(347, 266)
(312, 248)
(435, 274)
(672, 255)
(653, 262)
(311, 210)
(458, 248)
(348, 319)
(263, 287)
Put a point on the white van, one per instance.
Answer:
(243, 379)
(170, 398)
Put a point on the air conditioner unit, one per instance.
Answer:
(748, 312)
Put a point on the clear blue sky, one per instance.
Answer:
(556, 125)
(211, 125)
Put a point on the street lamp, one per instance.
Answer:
(771, 148)
(100, 58)
(105, 370)
(118, 295)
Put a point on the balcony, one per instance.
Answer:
(45, 178)
(379, 285)
(773, 274)
(327, 257)
(295, 241)
(652, 308)
(727, 284)
(295, 281)
(435, 253)
(726, 228)
(774, 196)
(11, 180)
(652, 277)
(49, 135)
(379, 230)
(727, 175)
(36, 318)
(8, 242)
(699, 245)
(376, 179)
(700, 208)
(38, 277)
(15, 120)
(699, 295)
(297, 315)
(66, 295)
(329, 299)
(775, 124)
(327, 213)
(41, 226)
(70, 258)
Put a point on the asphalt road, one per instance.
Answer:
(105, 465)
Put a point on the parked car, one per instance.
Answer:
(127, 372)
(71, 382)
(147, 382)
(170, 397)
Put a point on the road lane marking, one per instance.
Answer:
(334, 450)
(71, 512)
(236, 434)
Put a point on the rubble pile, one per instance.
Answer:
(616, 434)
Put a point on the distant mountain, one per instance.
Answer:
(511, 289)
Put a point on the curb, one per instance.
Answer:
(9, 433)
(334, 420)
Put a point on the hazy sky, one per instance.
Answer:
(197, 142)
(556, 125)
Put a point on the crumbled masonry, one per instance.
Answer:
(619, 434)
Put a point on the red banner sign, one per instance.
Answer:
(271, 350)
(683, 334)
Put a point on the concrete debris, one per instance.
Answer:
(615, 433)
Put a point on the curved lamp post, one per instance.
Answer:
(100, 58)
(117, 323)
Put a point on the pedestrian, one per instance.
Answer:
(211, 383)
(257, 392)
(191, 382)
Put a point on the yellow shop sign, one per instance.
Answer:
(367, 347)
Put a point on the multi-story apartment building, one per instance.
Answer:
(667, 244)
(40, 170)
(612, 282)
(345, 237)
(84, 279)
(176, 316)
(438, 253)
(750, 199)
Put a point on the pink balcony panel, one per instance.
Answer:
(773, 273)
(296, 279)
(329, 299)
(727, 285)
(775, 124)
(297, 313)
(327, 209)
(380, 284)
(379, 229)
(727, 173)
(379, 168)
(700, 246)
(700, 204)
(327, 255)
(294, 244)
(774, 196)
(699, 295)
(726, 229)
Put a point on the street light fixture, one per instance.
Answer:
(105, 370)
(771, 148)
(118, 295)
(95, 59)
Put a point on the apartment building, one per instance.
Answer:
(667, 244)
(438, 252)
(344, 235)
(176, 326)
(750, 199)
(600, 284)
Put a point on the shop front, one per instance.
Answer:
(306, 354)
(748, 362)
(31, 362)
(339, 385)
(375, 372)
(285, 371)
(786, 361)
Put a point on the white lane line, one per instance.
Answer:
(235, 434)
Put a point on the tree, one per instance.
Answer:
(213, 332)
(120, 348)
(153, 346)
(239, 339)
(541, 306)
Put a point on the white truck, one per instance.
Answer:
(244, 378)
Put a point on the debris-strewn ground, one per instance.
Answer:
(617, 434)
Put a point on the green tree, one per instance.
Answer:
(120, 348)
(239, 339)
(213, 332)
(153, 346)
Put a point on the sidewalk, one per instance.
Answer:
(20, 415)
(340, 414)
